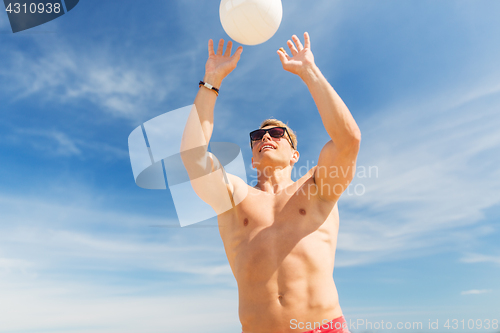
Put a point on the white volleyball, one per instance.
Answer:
(250, 22)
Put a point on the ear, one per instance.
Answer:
(295, 157)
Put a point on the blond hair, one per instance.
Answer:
(276, 122)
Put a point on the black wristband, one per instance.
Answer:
(209, 86)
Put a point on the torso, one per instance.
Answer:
(281, 249)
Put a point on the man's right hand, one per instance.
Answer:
(219, 65)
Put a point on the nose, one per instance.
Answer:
(269, 138)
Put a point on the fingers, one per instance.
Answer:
(228, 49)
(283, 56)
(220, 48)
(292, 47)
(237, 54)
(297, 43)
(296, 46)
(210, 48)
(307, 41)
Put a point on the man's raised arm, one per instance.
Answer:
(337, 160)
(206, 181)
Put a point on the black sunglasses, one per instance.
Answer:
(274, 132)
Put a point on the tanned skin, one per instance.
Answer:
(280, 236)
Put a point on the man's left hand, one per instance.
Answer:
(302, 58)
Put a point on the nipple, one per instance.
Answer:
(245, 222)
(302, 211)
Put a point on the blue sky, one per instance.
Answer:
(83, 249)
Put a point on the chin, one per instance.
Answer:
(271, 162)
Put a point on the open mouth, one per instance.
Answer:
(265, 147)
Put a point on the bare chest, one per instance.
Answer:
(290, 226)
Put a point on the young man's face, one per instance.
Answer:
(273, 151)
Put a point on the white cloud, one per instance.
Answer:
(68, 265)
(58, 250)
(58, 143)
(11, 265)
(472, 258)
(476, 292)
(60, 72)
(437, 174)
(40, 235)
(51, 141)
(89, 308)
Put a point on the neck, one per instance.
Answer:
(274, 179)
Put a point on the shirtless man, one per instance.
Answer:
(279, 236)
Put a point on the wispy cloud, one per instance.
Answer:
(62, 75)
(476, 292)
(41, 236)
(58, 143)
(54, 306)
(126, 87)
(11, 265)
(472, 258)
(67, 264)
(437, 173)
(60, 251)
